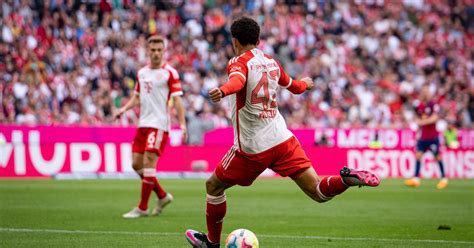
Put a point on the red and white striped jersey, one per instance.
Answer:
(258, 125)
(156, 87)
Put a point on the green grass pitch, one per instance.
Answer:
(50, 213)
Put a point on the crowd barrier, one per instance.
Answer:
(45, 151)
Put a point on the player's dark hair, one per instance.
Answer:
(246, 31)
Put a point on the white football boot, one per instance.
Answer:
(162, 204)
(135, 213)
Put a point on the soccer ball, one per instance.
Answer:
(241, 238)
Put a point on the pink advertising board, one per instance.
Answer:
(48, 151)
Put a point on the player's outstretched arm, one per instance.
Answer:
(134, 101)
(178, 104)
(234, 85)
(294, 86)
(298, 86)
(430, 120)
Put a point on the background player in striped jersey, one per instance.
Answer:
(157, 84)
(261, 137)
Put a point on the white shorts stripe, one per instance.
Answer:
(159, 138)
(228, 161)
(229, 157)
(226, 155)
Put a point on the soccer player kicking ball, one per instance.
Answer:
(261, 138)
(156, 84)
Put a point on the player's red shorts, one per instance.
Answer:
(286, 159)
(150, 140)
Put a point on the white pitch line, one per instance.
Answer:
(26, 230)
(371, 239)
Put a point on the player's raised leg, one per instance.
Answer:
(293, 162)
(359, 178)
(216, 208)
(317, 189)
(322, 190)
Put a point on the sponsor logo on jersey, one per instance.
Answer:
(269, 113)
(266, 66)
(235, 68)
(148, 86)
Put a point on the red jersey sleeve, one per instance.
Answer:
(285, 81)
(294, 86)
(174, 83)
(237, 72)
(137, 86)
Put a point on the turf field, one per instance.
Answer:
(49, 213)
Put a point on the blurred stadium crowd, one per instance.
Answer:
(74, 62)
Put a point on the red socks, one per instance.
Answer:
(215, 212)
(329, 187)
(147, 186)
(159, 191)
(149, 183)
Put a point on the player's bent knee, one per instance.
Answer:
(137, 166)
(149, 160)
(210, 185)
(213, 187)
